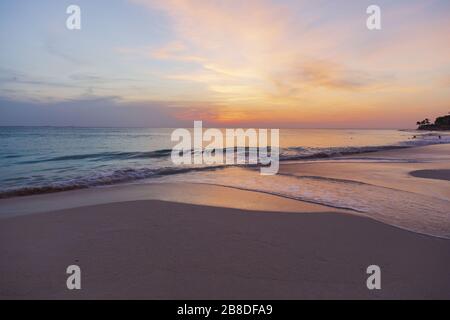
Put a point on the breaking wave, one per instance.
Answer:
(150, 170)
(101, 179)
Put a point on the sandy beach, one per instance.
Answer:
(193, 241)
(226, 150)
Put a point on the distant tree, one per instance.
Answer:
(423, 122)
(441, 123)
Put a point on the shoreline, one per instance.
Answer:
(389, 170)
(193, 241)
(186, 193)
(52, 189)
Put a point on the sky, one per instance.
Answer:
(256, 63)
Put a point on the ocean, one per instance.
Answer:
(37, 160)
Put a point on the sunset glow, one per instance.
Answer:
(290, 63)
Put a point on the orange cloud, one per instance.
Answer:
(256, 60)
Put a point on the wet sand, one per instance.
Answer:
(432, 174)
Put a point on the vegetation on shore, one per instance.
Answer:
(441, 123)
